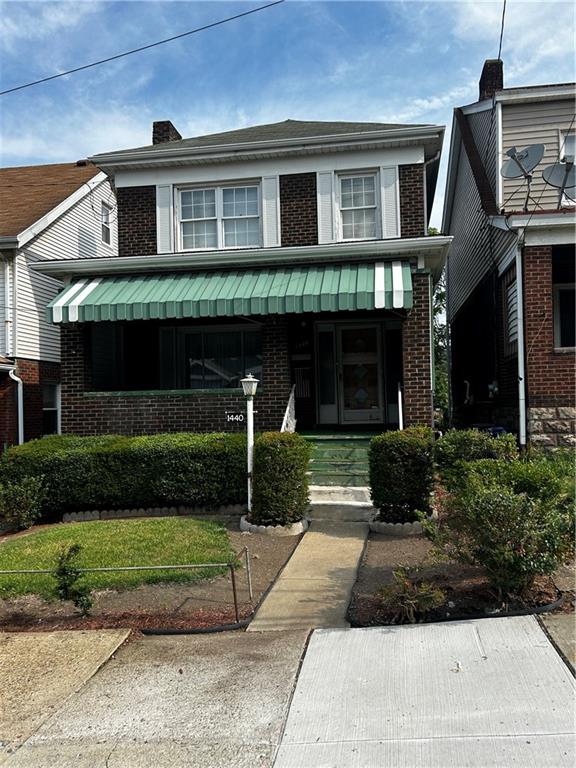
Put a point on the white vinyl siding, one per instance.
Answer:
(537, 123)
(76, 234)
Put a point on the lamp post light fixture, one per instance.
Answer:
(249, 386)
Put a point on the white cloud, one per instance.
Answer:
(41, 21)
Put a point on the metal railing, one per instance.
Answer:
(187, 566)
(289, 420)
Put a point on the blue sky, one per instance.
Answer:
(375, 61)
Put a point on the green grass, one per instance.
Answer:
(152, 541)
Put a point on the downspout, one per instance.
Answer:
(20, 400)
(521, 345)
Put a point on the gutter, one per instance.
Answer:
(20, 400)
(432, 248)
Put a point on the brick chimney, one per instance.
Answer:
(163, 131)
(491, 79)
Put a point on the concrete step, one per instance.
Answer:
(340, 479)
(342, 511)
(346, 466)
(337, 493)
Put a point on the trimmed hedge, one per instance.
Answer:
(280, 488)
(461, 445)
(402, 473)
(117, 472)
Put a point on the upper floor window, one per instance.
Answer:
(105, 218)
(567, 152)
(358, 207)
(220, 217)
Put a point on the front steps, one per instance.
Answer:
(339, 482)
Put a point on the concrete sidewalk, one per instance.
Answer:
(314, 588)
(482, 694)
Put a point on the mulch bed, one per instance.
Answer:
(468, 594)
(161, 606)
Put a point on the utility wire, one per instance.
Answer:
(142, 48)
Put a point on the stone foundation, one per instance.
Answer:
(552, 427)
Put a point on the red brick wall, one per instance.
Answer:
(416, 356)
(147, 414)
(550, 375)
(412, 214)
(299, 209)
(136, 221)
(34, 375)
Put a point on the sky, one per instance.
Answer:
(406, 62)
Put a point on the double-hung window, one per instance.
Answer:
(105, 219)
(358, 206)
(220, 217)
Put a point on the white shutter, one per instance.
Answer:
(164, 215)
(389, 202)
(270, 211)
(325, 195)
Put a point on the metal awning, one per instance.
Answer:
(320, 288)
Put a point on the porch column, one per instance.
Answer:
(417, 355)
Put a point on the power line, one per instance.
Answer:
(142, 48)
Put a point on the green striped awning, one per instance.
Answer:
(326, 288)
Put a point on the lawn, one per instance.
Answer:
(153, 541)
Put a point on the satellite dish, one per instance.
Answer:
(563, 177)
(522, 161)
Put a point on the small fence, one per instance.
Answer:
(231, 565)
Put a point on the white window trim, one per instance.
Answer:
(566, 201)
(337, 191)
(557, 287)
(220, 218)
(104, 207)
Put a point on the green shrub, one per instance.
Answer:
(408, 597)
(67, 574)
(459, 445)
(402, 473)
(280, 489)
(20, 501)
(116, 472)
(512, 536)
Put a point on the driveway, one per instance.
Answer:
(200, 701)
(491, 693)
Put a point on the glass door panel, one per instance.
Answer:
(360, 374)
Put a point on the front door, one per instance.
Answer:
(349, 373)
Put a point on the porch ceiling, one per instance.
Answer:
(319, 288)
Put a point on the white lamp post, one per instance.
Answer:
(249, 385)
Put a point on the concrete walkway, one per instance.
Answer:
(314, 588)
(482, 694)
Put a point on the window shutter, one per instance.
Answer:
(389, 201)
(164, 219)
(270, 211)
(325, 194)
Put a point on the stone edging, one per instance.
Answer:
(274, 530)
(399, 529)
(119, 514)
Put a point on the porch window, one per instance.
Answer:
(220, 217)
(358, 207)
(218, 359)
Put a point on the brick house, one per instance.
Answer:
(510, 272)
(63, 211)
(297, 251)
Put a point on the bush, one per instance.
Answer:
(20, 502)
(459, 445)
(280, 489)
(402, 473)
(67, 574)
(410, 598)
(512, 536)
(116, 472)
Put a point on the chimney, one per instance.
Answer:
(491, 79)
(163, 131)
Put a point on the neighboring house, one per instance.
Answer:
(64, 211)
(510, 273)
(296, 251)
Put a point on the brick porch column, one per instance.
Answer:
(418, 407)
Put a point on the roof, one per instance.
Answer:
(288, 129)
(27, 193)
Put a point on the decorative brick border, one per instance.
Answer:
(274, 530)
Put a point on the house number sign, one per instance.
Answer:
(230, 416)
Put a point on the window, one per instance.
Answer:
(358, 207)
(563, 279)
(105, 216)
(220, 217)
(51, 409)
(218, 359)
(567, 153)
